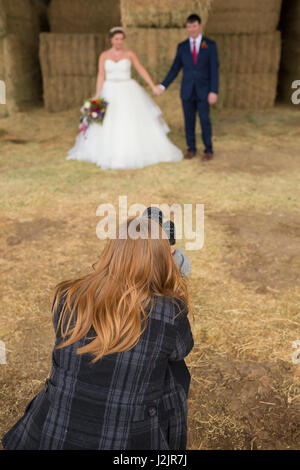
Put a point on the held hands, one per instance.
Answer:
(157, 90)
(212, 97)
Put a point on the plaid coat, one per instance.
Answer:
(127, 400)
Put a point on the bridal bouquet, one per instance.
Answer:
(93, 110)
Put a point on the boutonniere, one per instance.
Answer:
(204, 45)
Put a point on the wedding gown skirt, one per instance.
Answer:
(133, 133)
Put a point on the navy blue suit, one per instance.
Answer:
(197, 81)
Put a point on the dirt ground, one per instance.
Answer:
(244, 284)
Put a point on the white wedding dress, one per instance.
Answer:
(133, 133)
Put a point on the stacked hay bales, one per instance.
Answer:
(153, 30)
(245, 31)
(88, 16)
(248, 69)
(19, 69)
(243, 16)
(161, 14)
(290, 59)
(249, 51)
(155, 48)
(69, 64)
(69, 53)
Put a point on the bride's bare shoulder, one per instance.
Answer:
(104, 54)
(131, 55)
(102, 57)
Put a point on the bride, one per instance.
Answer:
(133, 133)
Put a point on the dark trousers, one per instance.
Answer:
(190, 108)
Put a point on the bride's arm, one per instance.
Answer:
(101, 75)
(141, 70)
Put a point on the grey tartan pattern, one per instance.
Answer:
(127, 400)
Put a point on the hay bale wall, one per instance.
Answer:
(249, 67)
(156, 49)
(243, 16)
(83, 16)
(248, 63)
(249, 49)
(162, 14)
(19, 30)
(248, 90)
(65, 92)
(290, 60)
(245, 31)
(69, 65)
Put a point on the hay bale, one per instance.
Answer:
(71, 16)
(2, 20)
(156, 49)
(247, 90)
(22, 73)
(240, 53)
(248, 5)
(242, 57)
(248, 64)
(243, 16)
(162, 14)
(61, 93)
(69, 54)
(245, 53)
(2, 69)
(21, 19)
(19, 67)
(69, 65)
(102, 43)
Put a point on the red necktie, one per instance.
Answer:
(194, 52)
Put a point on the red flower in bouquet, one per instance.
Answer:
(92, 111)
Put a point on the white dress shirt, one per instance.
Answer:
(198, 42)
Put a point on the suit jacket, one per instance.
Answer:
(127, 400)
(204, 76)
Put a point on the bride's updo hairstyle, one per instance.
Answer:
(116, 30)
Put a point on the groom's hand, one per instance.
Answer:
(212, 97)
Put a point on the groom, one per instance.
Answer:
(198, 57)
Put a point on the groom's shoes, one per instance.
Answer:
(207, 156)
(190, 155)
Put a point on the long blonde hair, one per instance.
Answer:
(111, 299)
